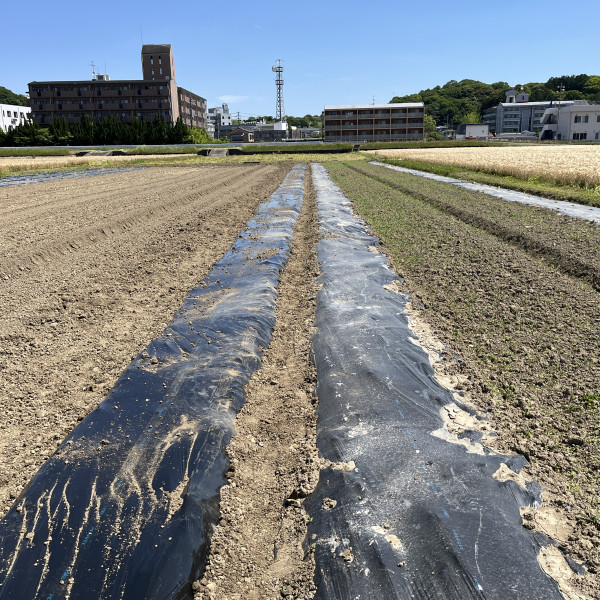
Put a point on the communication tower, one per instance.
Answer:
(278, 69)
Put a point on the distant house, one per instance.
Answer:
(374, 122)
(479, 131)
(12, 115)
(241, 135)
(578, 121)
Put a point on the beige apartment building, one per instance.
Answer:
(155, 96)
(374, 122)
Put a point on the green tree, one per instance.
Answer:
(592, 85)
(108, 131)
(430, 124)
(83, 133)
(136, 132)
(30, 134)
(573, 95)
(471, 117)
(157, 132)
(60, 132)
(197, 135)
(8, 97)
(179, 133)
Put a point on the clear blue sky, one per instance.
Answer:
(334, 51)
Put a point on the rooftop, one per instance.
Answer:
(391, 105)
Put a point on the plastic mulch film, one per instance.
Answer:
(404, 511)
(54, 175)
(576, 211)
(126, 506)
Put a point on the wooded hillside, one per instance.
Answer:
(458, 102)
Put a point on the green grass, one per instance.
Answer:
(328, 148)
(538, 186)
(145, 150)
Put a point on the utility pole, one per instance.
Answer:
(561, 89)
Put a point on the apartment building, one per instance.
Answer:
(13, 115)
(155, 96)
(517, 114)
(218, 118)
(374, 122)
(577, 122)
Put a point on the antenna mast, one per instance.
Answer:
(279, 112)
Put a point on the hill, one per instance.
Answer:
(8, 97)
(459, 102)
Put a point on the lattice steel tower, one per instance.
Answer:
(278, 68)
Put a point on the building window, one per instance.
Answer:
(160, 71)
(580, 136)
(597, 118)
(151, 60)
(581, 118)
(160, 60)
(152, 71)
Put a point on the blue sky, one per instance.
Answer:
(334, 52)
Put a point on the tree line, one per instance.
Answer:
(107, 131)
(464, 101)
(9, 97)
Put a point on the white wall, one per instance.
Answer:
(11, 116)
(479, 130)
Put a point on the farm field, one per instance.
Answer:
(566, 164)
(93, 269)
(520, 324)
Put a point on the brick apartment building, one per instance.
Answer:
(156, 95)
(374, 122)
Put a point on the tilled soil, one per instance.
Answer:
(91, 270)
(257, 549)
(520, 330)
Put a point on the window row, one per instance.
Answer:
(585, 119)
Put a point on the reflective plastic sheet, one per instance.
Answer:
(404, 511)
(126, 506)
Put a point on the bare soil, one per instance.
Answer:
(91, 270)
(257, 549)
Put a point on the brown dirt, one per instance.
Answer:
(91, 270)
(256, 550)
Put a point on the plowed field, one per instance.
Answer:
(91, 270)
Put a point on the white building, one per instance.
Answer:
(517, 114)
(218, 118)
(578, 121)
(12, 115)
(479, 131)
